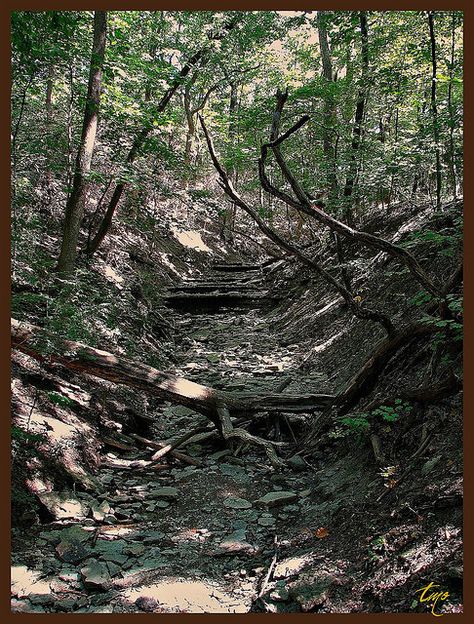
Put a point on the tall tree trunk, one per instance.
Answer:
(76, 202)
(359, 116)
(49, 119)
(70, 107)
(329, 107)
(452, 155)
(434, 108)
(227, 230)
(328, 147)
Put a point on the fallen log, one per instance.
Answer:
(43, 346)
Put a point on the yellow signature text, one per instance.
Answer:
(432, 597)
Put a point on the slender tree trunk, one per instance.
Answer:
(452, 155)
(49, 119)
(328, 147)
(434, 108)
(76, 203)
(229, 212)
(359, 116)
(329, 107)
(69, 172)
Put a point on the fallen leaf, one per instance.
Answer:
(322, 532)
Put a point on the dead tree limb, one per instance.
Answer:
(42, 346)
(356, 308)
(314, 208)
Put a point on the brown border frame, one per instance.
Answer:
(175, 5)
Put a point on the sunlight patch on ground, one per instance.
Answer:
(292, 566)
(321, 347)
(113, 276)
(25, 582)
(178, 596)
(166, 262)
(191, 239)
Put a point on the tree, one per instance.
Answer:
(76, 203)
(434, 107)
(359, 116)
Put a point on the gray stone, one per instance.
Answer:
(280, 594)
(297, 463)
(66, 605)
(99, 511)
(134, 549)
(72, 547)
(41, 599)
(430, 464)
(63, 505)
(113, 568)
(237, 503)
(266, 521)
(275, 499)
(169, 493)
(95, 575)
(153, 537)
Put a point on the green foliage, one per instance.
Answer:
(60, 399)
(392, 413)
(421, 298)
(20, 436)
(357, 424)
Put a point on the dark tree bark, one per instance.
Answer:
(76, 202)
(329, 106)
(328, 147)
(434, 108)
(359, 117)
(452, 154)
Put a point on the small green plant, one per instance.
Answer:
(358, 424)
(376, 548)
(421, 298)
(60, 399)
(392, 413)
(19, 435)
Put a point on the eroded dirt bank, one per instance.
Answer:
(221, 530)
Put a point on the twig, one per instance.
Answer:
(270, 569)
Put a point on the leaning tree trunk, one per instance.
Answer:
(77, 199)
(81, 358)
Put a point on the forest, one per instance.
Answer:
(237, 311)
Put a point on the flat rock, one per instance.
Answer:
(63, 505)
(297, 463)
(168, 493)
(237, 503)
(275, 499)
(99, 511)
(95, 575)
(72, 548)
